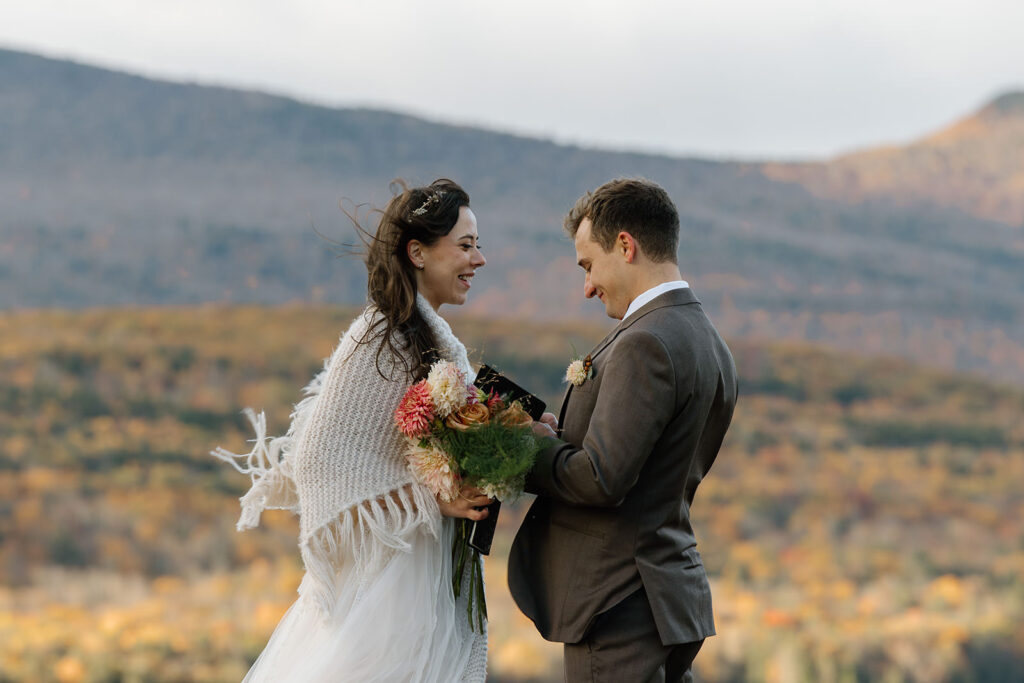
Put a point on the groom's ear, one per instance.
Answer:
(626, 245)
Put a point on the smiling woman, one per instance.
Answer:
(426, 244)
(446, 267)
(376, 542)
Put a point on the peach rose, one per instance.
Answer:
(468, 415)
(515, 416)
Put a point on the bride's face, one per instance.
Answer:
(449, 263)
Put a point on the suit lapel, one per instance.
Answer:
(565, 404)
(674, 297)
(568, 392)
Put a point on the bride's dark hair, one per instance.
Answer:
(425, 214)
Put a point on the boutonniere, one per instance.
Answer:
(579, 371)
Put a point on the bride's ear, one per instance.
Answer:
(414, 250)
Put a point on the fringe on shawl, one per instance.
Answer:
(268, 464)
(366, 536)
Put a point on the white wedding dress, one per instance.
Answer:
(376, 602)
(400, 626)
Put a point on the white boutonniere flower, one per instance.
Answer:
(579, 371)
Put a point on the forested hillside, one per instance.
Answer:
(117, 189)
(864, 520)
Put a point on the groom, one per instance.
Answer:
(606, 560)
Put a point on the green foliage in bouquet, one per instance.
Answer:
(494, 455)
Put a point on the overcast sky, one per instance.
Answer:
(725, 78)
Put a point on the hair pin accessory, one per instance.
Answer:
(431, 200)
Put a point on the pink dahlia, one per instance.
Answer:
(415, 411)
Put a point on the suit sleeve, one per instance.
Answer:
(635, 403)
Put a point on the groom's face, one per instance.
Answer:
(606, 272)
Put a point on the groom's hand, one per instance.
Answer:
(544, 427)
(466, 503)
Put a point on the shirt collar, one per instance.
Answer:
(653, 292)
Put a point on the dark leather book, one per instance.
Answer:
(490, 380)
(481, 534)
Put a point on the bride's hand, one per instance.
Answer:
(465, 503)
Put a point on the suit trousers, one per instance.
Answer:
(623, 645)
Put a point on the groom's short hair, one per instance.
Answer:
(634, 205)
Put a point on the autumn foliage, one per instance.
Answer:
(864, 520)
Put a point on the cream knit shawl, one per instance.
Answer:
(341, 465)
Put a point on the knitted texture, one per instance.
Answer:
(342, 467)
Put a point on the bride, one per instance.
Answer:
(376, 601)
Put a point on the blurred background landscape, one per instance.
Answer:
(171, 253)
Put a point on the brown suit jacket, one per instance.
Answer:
(614, 494)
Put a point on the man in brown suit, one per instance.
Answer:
(606, 560)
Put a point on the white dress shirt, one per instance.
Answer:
(653, 292)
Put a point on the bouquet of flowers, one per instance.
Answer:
(459, 435)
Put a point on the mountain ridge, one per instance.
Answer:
(118, 189)
(1008, 103)
(975, 165)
